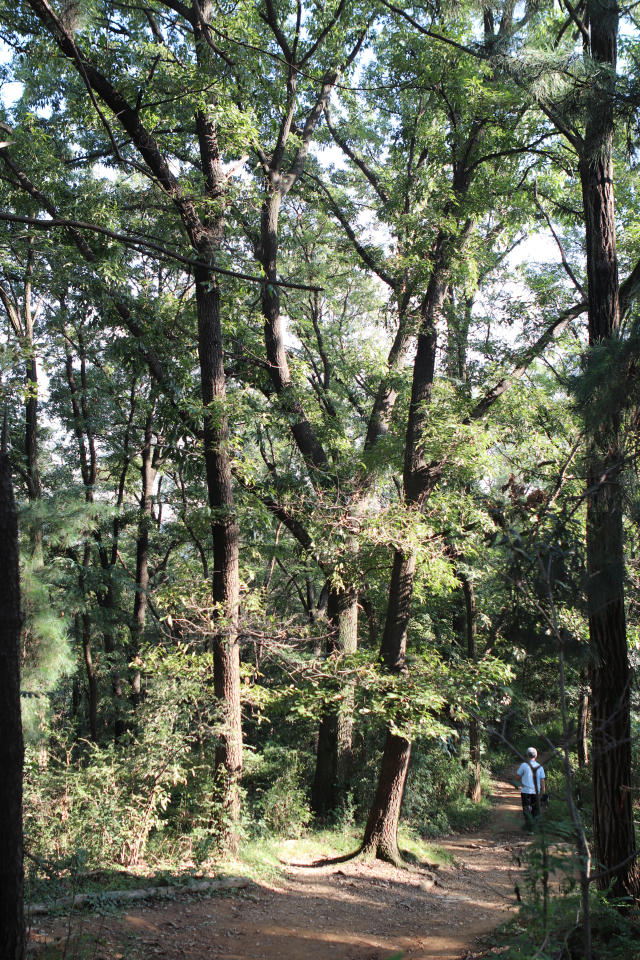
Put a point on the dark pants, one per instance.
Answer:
(530, 807)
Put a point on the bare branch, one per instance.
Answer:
(563, 257)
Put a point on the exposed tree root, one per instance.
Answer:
(325, 862)
(395, 858)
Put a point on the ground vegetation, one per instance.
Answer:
(319, 377)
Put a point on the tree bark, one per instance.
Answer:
(334, 755)
(13, 941)
(381, 832)
(83, 628)
(92, 679)
(349, 645)
(34, 488)
(416, 470)
(386, 394)
(372, 620)
(148, 475)
(394, 637)
(323, 790)
(614, 833)
(225, 536)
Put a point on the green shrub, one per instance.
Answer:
(108, 801)
(284, 808)
(436, 800)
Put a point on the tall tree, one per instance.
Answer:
(204, 233)
(433, 255)
(13, 939)
(22, 317)
(614, 832)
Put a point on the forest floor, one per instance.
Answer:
(353, 910)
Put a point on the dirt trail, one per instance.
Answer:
(354, 911)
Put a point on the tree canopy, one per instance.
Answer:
(319, 370)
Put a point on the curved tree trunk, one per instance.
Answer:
(13, 939)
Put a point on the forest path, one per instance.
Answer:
(349, 911)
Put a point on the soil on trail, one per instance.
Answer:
(355, 911)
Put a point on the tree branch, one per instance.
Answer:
(565, 262)
(359, 162)
(362, 252)
(527, 358)
(578, 22)
(148, 244)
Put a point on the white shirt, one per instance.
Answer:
(524, 771)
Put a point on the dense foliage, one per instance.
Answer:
(316, 369)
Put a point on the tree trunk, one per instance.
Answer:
(225, 531)
(381, 832)
(92, 680)
(303, 433)
(13, 939)
(323, 790)
(613, 828)
(614, 833)
(83, 633)
(34, 488)
(334, 756)
(142, 552)
(394, 637)
(225, 536)
(372, 620)
(584, 712)
(31, 430)
(386, 394)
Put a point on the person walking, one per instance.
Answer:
(531, 775)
